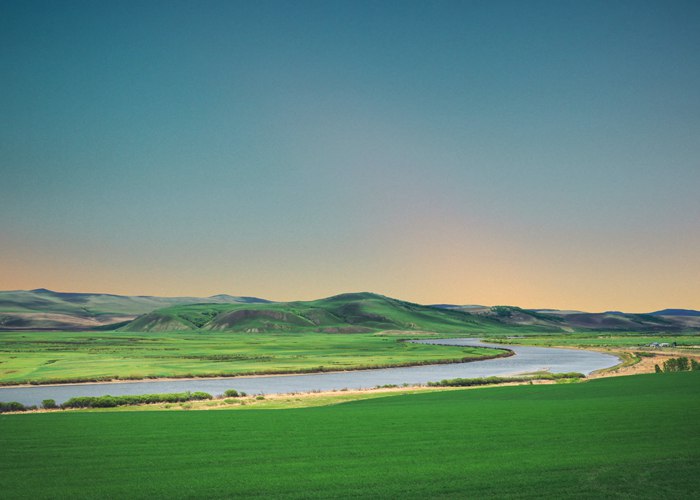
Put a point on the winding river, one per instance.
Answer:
(526, 359)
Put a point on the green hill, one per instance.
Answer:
(570, 321)
(43, 309)
(345, 313)
(46, 309)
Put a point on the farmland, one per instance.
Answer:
(624, 436)
(50, 357)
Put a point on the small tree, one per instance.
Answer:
(680, 365)
(657, 368)
(671, 365)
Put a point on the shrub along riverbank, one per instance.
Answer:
(469, 382)
(110, 401)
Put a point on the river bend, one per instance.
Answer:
(526, 359)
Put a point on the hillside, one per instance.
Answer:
(512, 315)
(676, 312)
(570, 321)
(45, 309)
(346, 313)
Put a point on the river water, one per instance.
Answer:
(526, 359)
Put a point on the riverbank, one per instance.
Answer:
(504, 353)
(525, 360)
(59, 358)
(291, 400)
(638, 362)
(280, 401)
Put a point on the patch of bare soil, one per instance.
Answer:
(645, 365)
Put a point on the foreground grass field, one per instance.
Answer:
(619, 437)
(83, 356)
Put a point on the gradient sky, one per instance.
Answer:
(539, 153)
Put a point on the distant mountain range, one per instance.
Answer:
(43, 309)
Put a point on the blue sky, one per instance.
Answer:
(531, 153)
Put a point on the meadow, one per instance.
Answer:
(624, 340)
(51, 357)
(636, 436)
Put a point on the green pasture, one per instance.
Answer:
(630, 340)
(624, 437)
(84, 356)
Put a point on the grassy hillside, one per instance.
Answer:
(570, 321)
(46, 309)
(346, 313)
(43, 309)
(626, 437)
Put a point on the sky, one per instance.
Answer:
(530, 153)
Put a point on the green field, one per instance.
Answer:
(631, 340)
(84, 356)
(625, 437)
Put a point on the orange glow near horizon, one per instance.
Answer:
(426, 264)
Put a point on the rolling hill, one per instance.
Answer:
(345, 313)
(570, 321)
(43, 309)
(676, 312)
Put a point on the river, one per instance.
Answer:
(526, 359)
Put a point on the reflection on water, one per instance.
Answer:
(526, 359)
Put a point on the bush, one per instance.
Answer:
(12, 406)
(198, 396)
(133, 399)
(231, 393)
(49, 404)
(469, 382)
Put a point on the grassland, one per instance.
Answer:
(51, 357)
(625, 340)
(623, 437)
